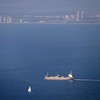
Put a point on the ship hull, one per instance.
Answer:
(58, 78)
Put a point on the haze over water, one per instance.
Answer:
(28, 52)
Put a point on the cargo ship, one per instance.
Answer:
(59, 77)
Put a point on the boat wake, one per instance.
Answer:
(88, 80)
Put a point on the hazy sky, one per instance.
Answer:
(45, 5)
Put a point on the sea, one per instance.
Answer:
(29, 51)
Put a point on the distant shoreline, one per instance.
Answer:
(48, 23)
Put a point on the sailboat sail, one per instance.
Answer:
(29, 89)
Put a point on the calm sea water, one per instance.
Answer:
(28, 52)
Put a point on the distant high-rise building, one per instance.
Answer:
(82, 15)
(9, 19)
(4, 19)
(78, 15)
(0, 19)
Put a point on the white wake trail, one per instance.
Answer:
(92, 80)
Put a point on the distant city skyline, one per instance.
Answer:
(47, 5)
(78, 17)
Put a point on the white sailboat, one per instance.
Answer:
(29, 89)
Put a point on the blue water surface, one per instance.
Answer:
(28, 52)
